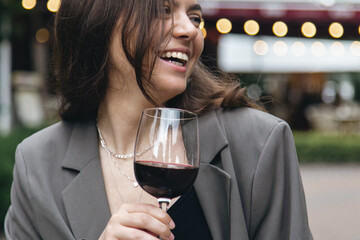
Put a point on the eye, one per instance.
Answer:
(167, 10)
(196, 20)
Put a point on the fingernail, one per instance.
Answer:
(172, 237)
(172, 224)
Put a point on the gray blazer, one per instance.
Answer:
(248, 185)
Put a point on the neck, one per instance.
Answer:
(118, 119)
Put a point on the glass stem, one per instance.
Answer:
(164, 203)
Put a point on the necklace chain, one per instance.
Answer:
(119, 156)
(115, 183)
(107, 150)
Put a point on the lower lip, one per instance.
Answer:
(177, 68)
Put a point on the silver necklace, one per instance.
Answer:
(103, 144)
(119, 156)
(116, 188)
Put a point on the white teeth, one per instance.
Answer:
(176, 63)
(178, 55)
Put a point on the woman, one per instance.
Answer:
(113, 59)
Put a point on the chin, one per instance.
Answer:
(171, 91)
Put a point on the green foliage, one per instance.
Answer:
(7, 155)
(10, 7)
(330, 148)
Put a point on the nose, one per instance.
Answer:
(184, 28)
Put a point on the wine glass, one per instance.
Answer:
(166, 157)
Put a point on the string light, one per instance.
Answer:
(202, 24)
(280, 29)
(28, 4)
(308, 29)
(336, 30)
(251, 27)
(224, 25)
(204, 32)
(53, 5)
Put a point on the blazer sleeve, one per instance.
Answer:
(20, 221)
(278, 208)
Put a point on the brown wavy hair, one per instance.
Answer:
(83, 31)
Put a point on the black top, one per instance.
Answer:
(189, 218)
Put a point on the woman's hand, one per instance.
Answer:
(138, 221)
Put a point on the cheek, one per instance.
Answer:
(200, 42)
(198, 48)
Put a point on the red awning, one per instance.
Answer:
(288, 11)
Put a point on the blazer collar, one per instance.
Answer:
(212, 138)
(83, 146)
(213, 183)
(85, 197)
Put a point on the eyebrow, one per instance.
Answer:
(193, 7)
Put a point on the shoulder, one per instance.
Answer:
(248, 117)
(51, 138)
(249, 122)
(249, 130)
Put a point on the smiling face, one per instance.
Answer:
(180, 49)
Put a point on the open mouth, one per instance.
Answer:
(177, 58)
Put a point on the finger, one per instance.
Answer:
(147, 222)
(126, 233)
(152, 210)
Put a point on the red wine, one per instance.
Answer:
(165, 180)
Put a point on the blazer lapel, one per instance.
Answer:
(85, 197)
(213, 184)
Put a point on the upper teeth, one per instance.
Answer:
(179, 55)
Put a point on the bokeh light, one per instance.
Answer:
(329, 91)
(224, 25)
(28, 4)
(260, 47)
(251, 27)
(337, 49)
(204, 32)
(336, 30)
(202, 24)
(280, 29)
(318, 49)
(308, 29)
(42, 35)
(280, 48)
(298, 49)
(355, 48)
(254, 91)
(53, 5)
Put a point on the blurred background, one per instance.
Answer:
(300, 59)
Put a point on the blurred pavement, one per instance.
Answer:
(333, 200)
